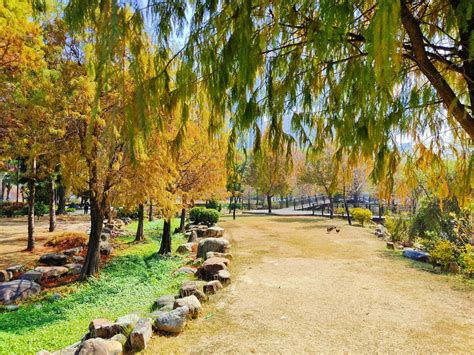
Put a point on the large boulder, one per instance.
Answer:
(100, 328)
(192, 303)
(185, 248)
(173, 321)
(49, 272)
(416, 255)
(219, 245)
(141, 334)
(53, 259)
(211, 267)
(12, 291)
(192, 236)
(106, 249)
(15, 268)
(98, 346)
(162, 301)
(215, 232)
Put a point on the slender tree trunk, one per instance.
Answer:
(3, 188)
(269, 201)
(182, 222)
(346, 207)
(18, 180)
(61, 198)
(52, 206)
(150, 212)
(233, 210)
(139, 237)
(331, 207)
(165, 246)
(31, 213)
(230, 204)
(91, 264)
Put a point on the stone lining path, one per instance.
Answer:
(298, 289)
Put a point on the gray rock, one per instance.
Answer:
(53, 259)
(31, 275)
(5, 275)
(223, 276)
(74, 269)
(185, 270)
(211, 267)
(100, 328)
(163, 301)
(192, 290)
(106, 249)
(78, 259)
(12, 291)
(192, 303)
(213, 254)
(390, 245)
(72, 251)
(172, 322)
(192, 236)
(141, 334)
(219, 245)
(15, 268)
(12, 307)
(185, 248)
(49, 272)
(98, 346)
(122, 339)
(215, 232)
(212, 287)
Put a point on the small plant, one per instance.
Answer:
(466, 260)
(361, 215)
(339, 210)
(398, 226)
(237, 205)
(443, 253)
(70, 210)
(68, 240)
(204, 216)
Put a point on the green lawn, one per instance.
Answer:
(130, 282)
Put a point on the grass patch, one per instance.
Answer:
(129, 282)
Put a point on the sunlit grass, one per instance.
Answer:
(128, 283)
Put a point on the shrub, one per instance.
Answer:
(70, 210)
(361, 215)
(10, 209)
(398, 226)
(443, 253)
(203, 215)
(237, 205)
(68, 240)
(466, 260)
(339, 210)
(41, 209)
(214, 204)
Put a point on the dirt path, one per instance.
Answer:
(298, 289)
(13, 237)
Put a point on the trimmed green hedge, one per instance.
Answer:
(204, 215)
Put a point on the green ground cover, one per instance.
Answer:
(129, 282)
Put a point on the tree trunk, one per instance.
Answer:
(150, 212)
(230, 204)
(182, 222)
(91, 264)
(269, 201)
(346, 207)
(3, 188)
(233, 210)
(31, 213)
(165, 246)
(61, 198)
(331, 207)
(18, 179)
(140, 237)
(52, 206)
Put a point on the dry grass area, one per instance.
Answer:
(298, 289)
(13, 237)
